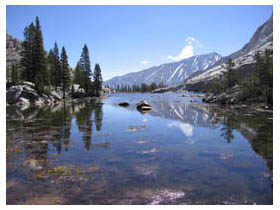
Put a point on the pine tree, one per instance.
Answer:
(50, 66)
(79, 75)
(40, 62)
(15, 74)
(34, 62)
(265, 75)
(97, 84)
(27, 54)
(85, 65)
(57, 71)
(230, 74)
(65, 72)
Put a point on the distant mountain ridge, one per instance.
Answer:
(169, 73)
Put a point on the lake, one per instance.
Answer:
(183, 151)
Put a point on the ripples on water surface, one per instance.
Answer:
(181, 152)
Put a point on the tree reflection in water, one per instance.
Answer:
(255, 126)
(54, 130)
(85, 122)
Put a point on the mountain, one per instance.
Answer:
(13, 49)
(244, 58)
(169, 73)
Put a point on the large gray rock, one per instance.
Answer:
(231, 96)
(143, 105)
(30, 94)
(24, 94)
(55, 95)
(22, 101)
(28, 88)
(29, 84)
(13, 93)
(105, 91)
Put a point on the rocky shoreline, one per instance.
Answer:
(24, 94)
(235, 97)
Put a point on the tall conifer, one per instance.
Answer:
(85, 65)
(65, 71)
(97, 84)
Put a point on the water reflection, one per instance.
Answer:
(46, 126)
(257, 129)
(155, 153)
(255, 126)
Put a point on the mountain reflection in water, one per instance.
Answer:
(180, 152)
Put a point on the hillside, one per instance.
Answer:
(169, 73)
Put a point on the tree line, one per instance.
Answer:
(143, 88)
(255, 86)
(52, 70)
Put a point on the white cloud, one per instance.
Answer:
(144, 62)
(190, 40)
(188, 50)
(145, 120)
(186, 128)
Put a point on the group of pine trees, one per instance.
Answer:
(257, 85)
(260, 84)
(42, 69)
(143, 88)
(51, 69)
(90, 82)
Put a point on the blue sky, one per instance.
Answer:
(125, 39)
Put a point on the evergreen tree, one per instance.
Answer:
(65, 72)
(33, 60)
(230, 74)
(40, 63)
(27, 54)
(15, 74)
(79, 76)
(50, 66)
(265, 75)
(85, 65)
(57, 71)
(97, 84)
(7, 74)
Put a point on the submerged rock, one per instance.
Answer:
(146, 170)
(143, 107)
(149, 151)
(166, 196)
(140, 141)
(94, 168)
(136, 128)
(105, 144)
(61, 172)
(124, 104)
(225, 156)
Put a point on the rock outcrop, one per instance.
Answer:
(143, 107)
(25, 94)
(232, 96)
(79, 92)
(13, 50)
